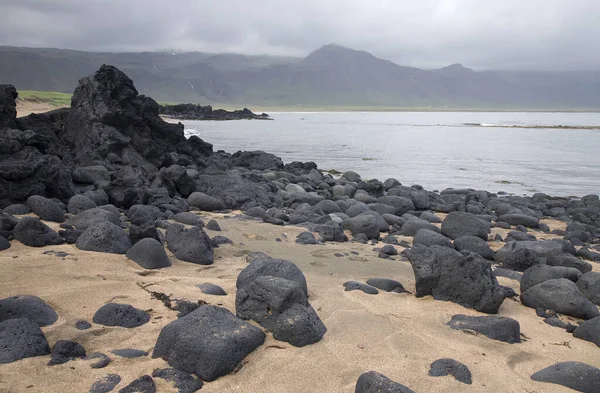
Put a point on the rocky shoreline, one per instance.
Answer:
(109, 186)
(199, 112)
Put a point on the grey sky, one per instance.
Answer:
(482, 34)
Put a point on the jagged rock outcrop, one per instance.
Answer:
(199, 112)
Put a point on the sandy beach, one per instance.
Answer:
(394, 334)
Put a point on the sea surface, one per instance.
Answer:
(481, 150)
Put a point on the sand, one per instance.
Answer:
(26, 107)
(395, 334)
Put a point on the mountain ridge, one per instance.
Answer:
(331, 75)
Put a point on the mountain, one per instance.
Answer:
(330, 76)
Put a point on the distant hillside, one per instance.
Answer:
(330, 76)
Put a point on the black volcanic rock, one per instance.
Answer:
(373, 382)
(21, 338)
(199, 112)
(8, 106)
(30, 307)
(575, 375)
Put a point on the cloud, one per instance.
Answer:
(491, 34)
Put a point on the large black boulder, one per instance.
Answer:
(209, 341)
(458, 224)
(589, 284)
(90, 217)
(34, 233)
(363, 224)
(589, 331)
(123, 315)
(373, 382)
(8, 106)
(79, 203)
(90, 174)
(271, 267)
(45, 208)
(30, 307)
(190, 245)
(562, 296)
(104, 237)
(520, 219)
(575, 375)
(448, 275)
(299, 325)
(21, 338)
(522, 255)
(539, 273)
(142, 214)
(257, 159)
(428, 238)
(64, 351)
(4, 244)
(149, 253)
(443, 367)
(474, 244)
(497, 328)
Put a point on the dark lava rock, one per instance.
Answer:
(568, 260)
(428, 238)
(212, 289)
(149, 254)
(220, 240)
(389, 239)
(102, 362)
(8, 106)
(522, 255)
(146, 231)
(4, 244)
(519, 237)
(589, 331)
(589, 285)
(190, 245)
(64, 351)
(17, 209)
(299, 326)
(539, 273)
(373, 382)
(359, 286)
(497, 328)
(271, 267)
(363, 224)
(124, 315)
(332, 232)
(45, 208)
(21, 338)
(448, 275)
(129, 353)
(501, 272)
(210, 342)
(93, 216)
(412, 226)
(70, 235)
(104, 237)
(144, 384)
(556, 322)
(562, 296)
(30, 307)
(257, 159)
(458, 224)
(80, 203)
(575, 375)
(90, 174)
(188, 218)
(386, 284)
(82, 325)
(213, 226)
(205, 202)
(360, 238)
(586, 253)
(34, 233)
(520, 219)
(443, 367)
(389, 250)
(142, 214)
(184, 382)
(474, 244)
(105, 384)
(306, 238)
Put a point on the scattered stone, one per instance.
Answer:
(205, 202)
(64, 351)
(589, 331)
(102, 362)
(386, 284)
(520, 219)
(443, 367)
(497, 328)
(299, 326)
(33, 233)
(184, 382)
(21, 338)
(146, 231)
(124, 315)
(428, 238)
(359, 286)
(30, 307)
(80, 203)
(91, 217)
(4, 244)
(105, 384)
(188, 218)
(70, 235)
(306, 238)
(586, 253)
(129, 353)
(458, 224)
(212, 289)
(82, 325)
(17, 209)
(539, 273)
(389, 250)
(220, 240)
(190, 345)
(104, 237)
(562, 296)
(363, 224)
(271, 267)
(149, 254)
(190, 245)
(522, 255)
(373, 382)
(589, 285)
(144, 384)
(144, 214)
(501, 272)
(575, 375)
(389, 239)
(474, 244)
(213, 226)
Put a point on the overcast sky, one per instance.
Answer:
(481, 34)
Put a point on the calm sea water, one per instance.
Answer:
(435, 150)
